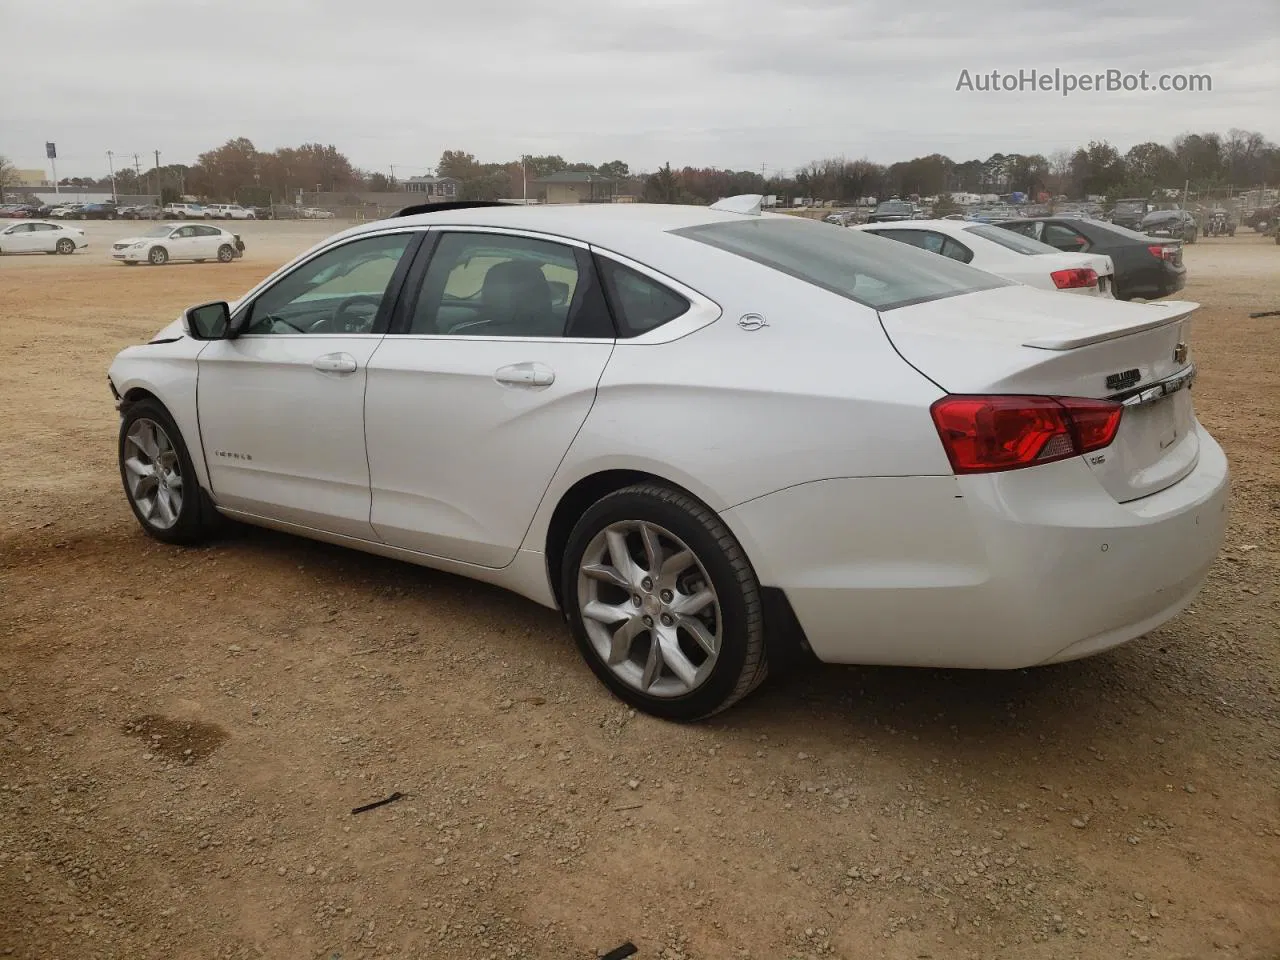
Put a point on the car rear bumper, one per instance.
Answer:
(992, 572)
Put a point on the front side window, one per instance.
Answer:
(340, 291)
(1064, 238)
(844, 262)
(496, 285)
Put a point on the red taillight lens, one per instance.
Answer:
(1070, 279)
(1161, 252)
(988, 434)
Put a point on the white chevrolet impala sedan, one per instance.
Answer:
(709, 436)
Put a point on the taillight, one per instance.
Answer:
(1161, 252)
(987, 434)
(1077, 277)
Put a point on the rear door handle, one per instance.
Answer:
(335, 363)
(526, 375)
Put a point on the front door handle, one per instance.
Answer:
(526, 375)
(335, 363)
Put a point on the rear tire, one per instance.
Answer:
(159, 479)
(158, 256)
(696, 591)
(226, 253)
(65, 246)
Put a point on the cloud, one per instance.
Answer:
(719, 82)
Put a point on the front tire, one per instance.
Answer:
(158, 256)
(159, 479)
(663, 603)
(65, 246)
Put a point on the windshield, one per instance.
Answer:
(158, 232)
(1010, 240)
(1131, 206)
(894, 206)
(849, 263)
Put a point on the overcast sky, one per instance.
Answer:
(726, 83)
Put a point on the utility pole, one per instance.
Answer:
(393, 176)
(112, 167)
(155, 187)
(137, 172)
(524, 178)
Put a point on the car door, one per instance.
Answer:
(181, 243)
(20, 238)
(479, 389)
(45, 237)
(281, 403)
(207, 241)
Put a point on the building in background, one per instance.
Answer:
(32, 178)
(570, 186)
(435, 188)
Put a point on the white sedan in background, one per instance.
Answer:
(40, 236)
(1006, 254)
(710, 436)
(181, 241)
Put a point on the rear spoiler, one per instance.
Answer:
(1169, 311)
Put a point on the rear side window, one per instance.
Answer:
(845, 262)
(639, 304)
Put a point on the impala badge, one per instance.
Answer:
(1123, 380)
(1180, 353)
(752, 321)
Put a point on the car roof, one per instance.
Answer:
(628, 228)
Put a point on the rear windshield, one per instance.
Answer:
(1011, 240)
(894, 206)
(1131, 206)
(850, 263)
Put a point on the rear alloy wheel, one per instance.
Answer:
(159, 479)
(66, 246)
(158, 256)
(663, 603)
(226, 253)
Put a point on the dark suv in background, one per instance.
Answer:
(892, 210)
(1129, 212)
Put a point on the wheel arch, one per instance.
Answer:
(785, 638)
(171, 382)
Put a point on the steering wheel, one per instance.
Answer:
(354, 324)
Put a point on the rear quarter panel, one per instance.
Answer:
(732, 414)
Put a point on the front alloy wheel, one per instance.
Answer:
(663, 603)
(159, 479)
(152, 474)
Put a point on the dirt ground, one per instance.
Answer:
(184, 733)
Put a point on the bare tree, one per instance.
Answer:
(8, 175)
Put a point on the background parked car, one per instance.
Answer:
(1179, 224)
(1144, 266)
(41, 236)
(185, 241)
(1129, 211)
(230, 211)
(67, 211)
(891, 210)
(1006, 254)
(146, 211)
(106, 210)
(186, 211)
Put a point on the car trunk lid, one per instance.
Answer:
(1018, 340)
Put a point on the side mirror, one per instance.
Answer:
(209, 321)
